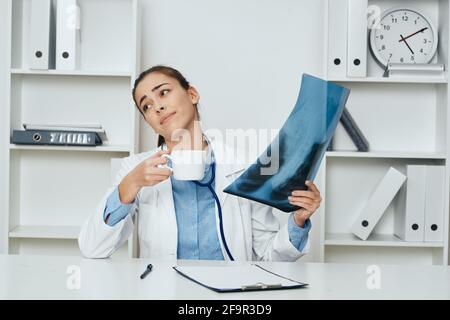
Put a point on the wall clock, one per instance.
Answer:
(403, 35)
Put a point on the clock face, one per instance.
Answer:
(403, 36)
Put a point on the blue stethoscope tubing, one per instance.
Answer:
(219, 207)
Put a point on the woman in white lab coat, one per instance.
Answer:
(144, 194)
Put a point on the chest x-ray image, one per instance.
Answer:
(295, 154)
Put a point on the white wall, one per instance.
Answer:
(244, 57)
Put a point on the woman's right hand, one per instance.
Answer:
(147, 173)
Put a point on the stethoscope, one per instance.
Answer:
(219, 207)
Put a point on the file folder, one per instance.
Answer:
(236, 278)
(409, 219)
(91, 128)
(67, 35)
(354, 131)
(434, 203)
(377, 204)
(42, 43)
(44, 137)
(295, 154)
(337, 38)
(357, 38)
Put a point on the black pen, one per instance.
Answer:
(147, 271)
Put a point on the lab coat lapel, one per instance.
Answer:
(165, 195)
(227, 164)
(222, 180)
(164, 198)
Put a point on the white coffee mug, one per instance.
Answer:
(187, 164)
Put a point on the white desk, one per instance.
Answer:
(45, 277)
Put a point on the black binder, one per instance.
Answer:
(354, 131)
(52, 137)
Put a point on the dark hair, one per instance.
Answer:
(168, 71)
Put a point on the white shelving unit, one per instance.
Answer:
(45, 232)
(92, 73)
(386, 154)
(406, 122)
(52, 189)
(105, 148)
(393, 80)
(375, 240)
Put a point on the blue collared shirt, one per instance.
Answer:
(196, 218)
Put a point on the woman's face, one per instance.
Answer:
(166, 105)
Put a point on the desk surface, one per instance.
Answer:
(47, 277)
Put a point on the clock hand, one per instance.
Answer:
(404, 39)
(421, 30)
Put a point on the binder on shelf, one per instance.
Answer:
(50, 137)
(357, 38)
(434, 203)
(353, 131)
(330, 145)
(67, 35)
(94, 127)
(337, 38)
(41, 55)
(377, 204)
(409, 220)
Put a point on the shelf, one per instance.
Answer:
(93, 73)
(431, 80)
(98, 91)
(45, 232)
(375, 240)
(386, 154)
(105, 148)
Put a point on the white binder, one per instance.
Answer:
(434, 203)
(409, 220)
(42, 44)
(67, 35)
(357, 38)
(378, 202)
(337, 38)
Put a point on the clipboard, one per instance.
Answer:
(237, 278)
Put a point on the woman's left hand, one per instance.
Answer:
(309, 201)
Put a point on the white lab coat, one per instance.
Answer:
(251, 230)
